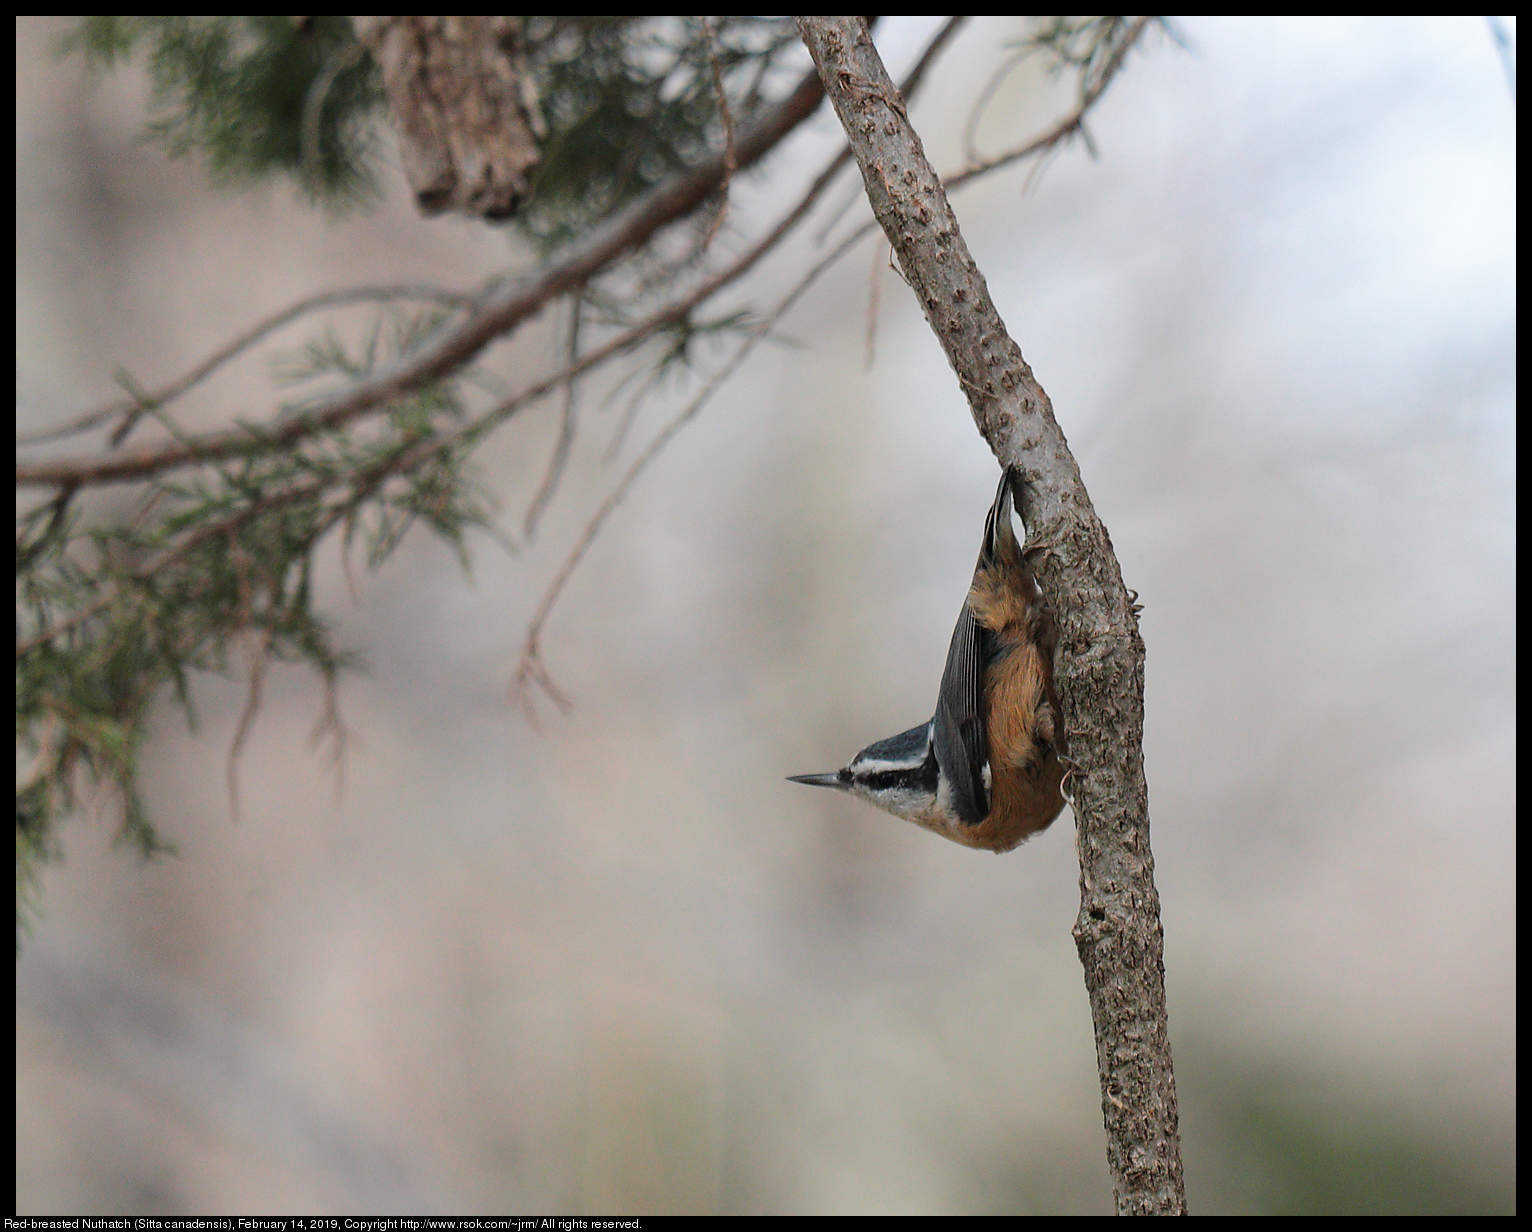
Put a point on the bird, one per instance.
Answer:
(988, 769)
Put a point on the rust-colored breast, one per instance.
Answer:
(1021, 714)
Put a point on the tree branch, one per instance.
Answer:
(565, 442)
(412, 454)
(530, 668)
(1071, 124)
(498, 315)
(130, 409)
(1101, 655)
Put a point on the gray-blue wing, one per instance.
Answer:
(962, 748)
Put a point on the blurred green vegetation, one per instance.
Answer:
(1273, 1139)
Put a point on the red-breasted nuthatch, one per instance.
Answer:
(988, 769)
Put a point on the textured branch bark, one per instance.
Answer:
(462, 100)
(1100, 665)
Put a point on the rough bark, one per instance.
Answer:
(1100, 662)
(461, 97)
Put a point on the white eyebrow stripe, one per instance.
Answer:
(876, 765)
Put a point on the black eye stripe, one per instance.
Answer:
(920, 777)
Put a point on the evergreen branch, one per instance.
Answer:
(412, 454)
(499, 314)
(519, 301)
(131, 409)
(169, 555)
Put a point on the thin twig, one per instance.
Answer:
(1065, 128)
(630, 412)
(313, 107)
(530, 669)
(331, 725)
(730, 157)
(499, 314)
(58, 519)
(257, 642)
(976, 112)
(854, 193)
(874, 285)
(413, 454)
(566, 435)
(139, 404)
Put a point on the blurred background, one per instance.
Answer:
(617, 964)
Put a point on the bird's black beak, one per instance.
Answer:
(817, 780)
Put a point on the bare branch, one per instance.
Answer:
(566, 435)
(530, 668)
(730, 157)
(1073, 123)
(1100, 664)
